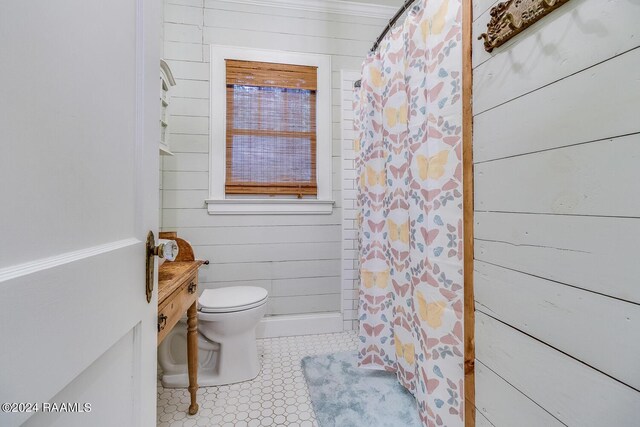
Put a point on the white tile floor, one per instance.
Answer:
(277, 397)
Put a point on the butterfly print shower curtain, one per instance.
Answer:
(408, 119)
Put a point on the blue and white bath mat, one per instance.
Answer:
(344, 395)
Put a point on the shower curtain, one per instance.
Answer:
(409, 142)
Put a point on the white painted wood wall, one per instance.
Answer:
(557, 219)
(350, 261)
(296, 258)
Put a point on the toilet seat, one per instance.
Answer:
(232, 299)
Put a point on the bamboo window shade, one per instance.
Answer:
(270, 128)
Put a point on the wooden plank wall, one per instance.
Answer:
(296, 258)
(557, 219)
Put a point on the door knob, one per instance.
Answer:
(167, 249)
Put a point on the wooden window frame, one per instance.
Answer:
(219, 202)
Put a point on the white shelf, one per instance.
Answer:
(166, 81)
(164, 150)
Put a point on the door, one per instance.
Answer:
(79, 113)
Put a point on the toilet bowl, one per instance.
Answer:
(227, 351)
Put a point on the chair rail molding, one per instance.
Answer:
(328, 6)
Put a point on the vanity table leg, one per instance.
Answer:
(192, 355)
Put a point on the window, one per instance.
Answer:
(270, 146)
(271, 128)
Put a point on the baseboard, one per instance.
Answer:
(299, 324)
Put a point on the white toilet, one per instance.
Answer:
(227, 320)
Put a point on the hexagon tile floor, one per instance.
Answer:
(277, 397)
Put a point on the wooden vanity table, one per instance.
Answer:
(177, 293)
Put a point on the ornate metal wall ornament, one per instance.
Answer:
(510, 17)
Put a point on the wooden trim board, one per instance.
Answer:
(467, 167)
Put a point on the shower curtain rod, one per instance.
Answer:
(389, 26)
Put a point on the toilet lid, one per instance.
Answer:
(233, 298)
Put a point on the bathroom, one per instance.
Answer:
(484, 277)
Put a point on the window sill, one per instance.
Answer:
(269, 207)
